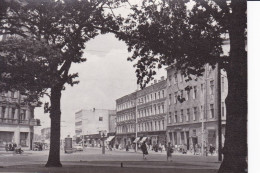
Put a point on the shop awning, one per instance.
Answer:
(143, 139)
(136, 140)
(110, 138)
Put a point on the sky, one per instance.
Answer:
(104, 77)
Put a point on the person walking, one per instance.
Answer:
(169, 151)
(144, 150)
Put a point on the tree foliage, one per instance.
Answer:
(188, 37)
(166, 32)
(49, 37)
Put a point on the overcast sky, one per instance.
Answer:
(104, 77)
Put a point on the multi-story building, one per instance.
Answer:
(193, 106)
(16, 120)
(89, 124)
(126, 119)
(151, 115)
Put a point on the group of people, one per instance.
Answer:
(169, 150)
(14, 147)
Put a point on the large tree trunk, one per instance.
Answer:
(55, 115)
(235, 147)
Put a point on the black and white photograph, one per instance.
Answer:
(123, 86)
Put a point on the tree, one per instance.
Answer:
(167, 32)
(51, 36)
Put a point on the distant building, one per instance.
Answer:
(16, 120)
(192, 110)
(151, 116)
(46, 135)
(89, 123)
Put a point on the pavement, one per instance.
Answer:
(91, 160)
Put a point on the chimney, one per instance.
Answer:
(162, 78)
(155, 81)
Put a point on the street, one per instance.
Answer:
(91, 160)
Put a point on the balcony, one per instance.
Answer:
(30, 122)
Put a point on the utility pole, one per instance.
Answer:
(219, 113)
(103, 142)
(203, 140)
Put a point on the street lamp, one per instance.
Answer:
(103, 134)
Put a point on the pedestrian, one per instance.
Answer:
(144, 150)
(169, 151)
(126, 147)
(211, 149)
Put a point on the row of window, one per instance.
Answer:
(187, 96)
(6, 113)
(186, 115)
(151, 110)
(151, 97)
(145, 99)
(142, 127)
(13, 94)
(126, 105)
(126, 116)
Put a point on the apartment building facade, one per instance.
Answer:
(149, 104)
(16, 120)
(192, 107)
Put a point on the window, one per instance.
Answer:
(222, 109)
(159, 109)
(13, 113)
(195, 92)
(159, 96)
(100, 119)
(222, 84)
(170, 118)
(181, 94)
(162, 108)
(194, 113)
(188, 94)
(151, 126)
(212, 87)
(169, 80)
(162, 124)
(188, 115)
(170, 99)
(201, 112)
(12, 94)
(155, 112)
(151, 110)
(151, 97)
(181, 117)
(162, 93)
(3, 111)
(155, 125)
(154, 96)
(175, 97)
(159, 125)
(175, 116)
(212, 110)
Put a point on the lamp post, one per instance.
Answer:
(103, 135)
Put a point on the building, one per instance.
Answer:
(125, 119)
(46, 135)
(89, 123)
(193, 106)
(151, 116)
(16, 120)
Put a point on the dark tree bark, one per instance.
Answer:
(55, 115)
(235, 147)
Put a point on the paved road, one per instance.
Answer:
(93, 159)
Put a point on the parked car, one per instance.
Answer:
(78, 147)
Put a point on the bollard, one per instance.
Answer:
(122, 165)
